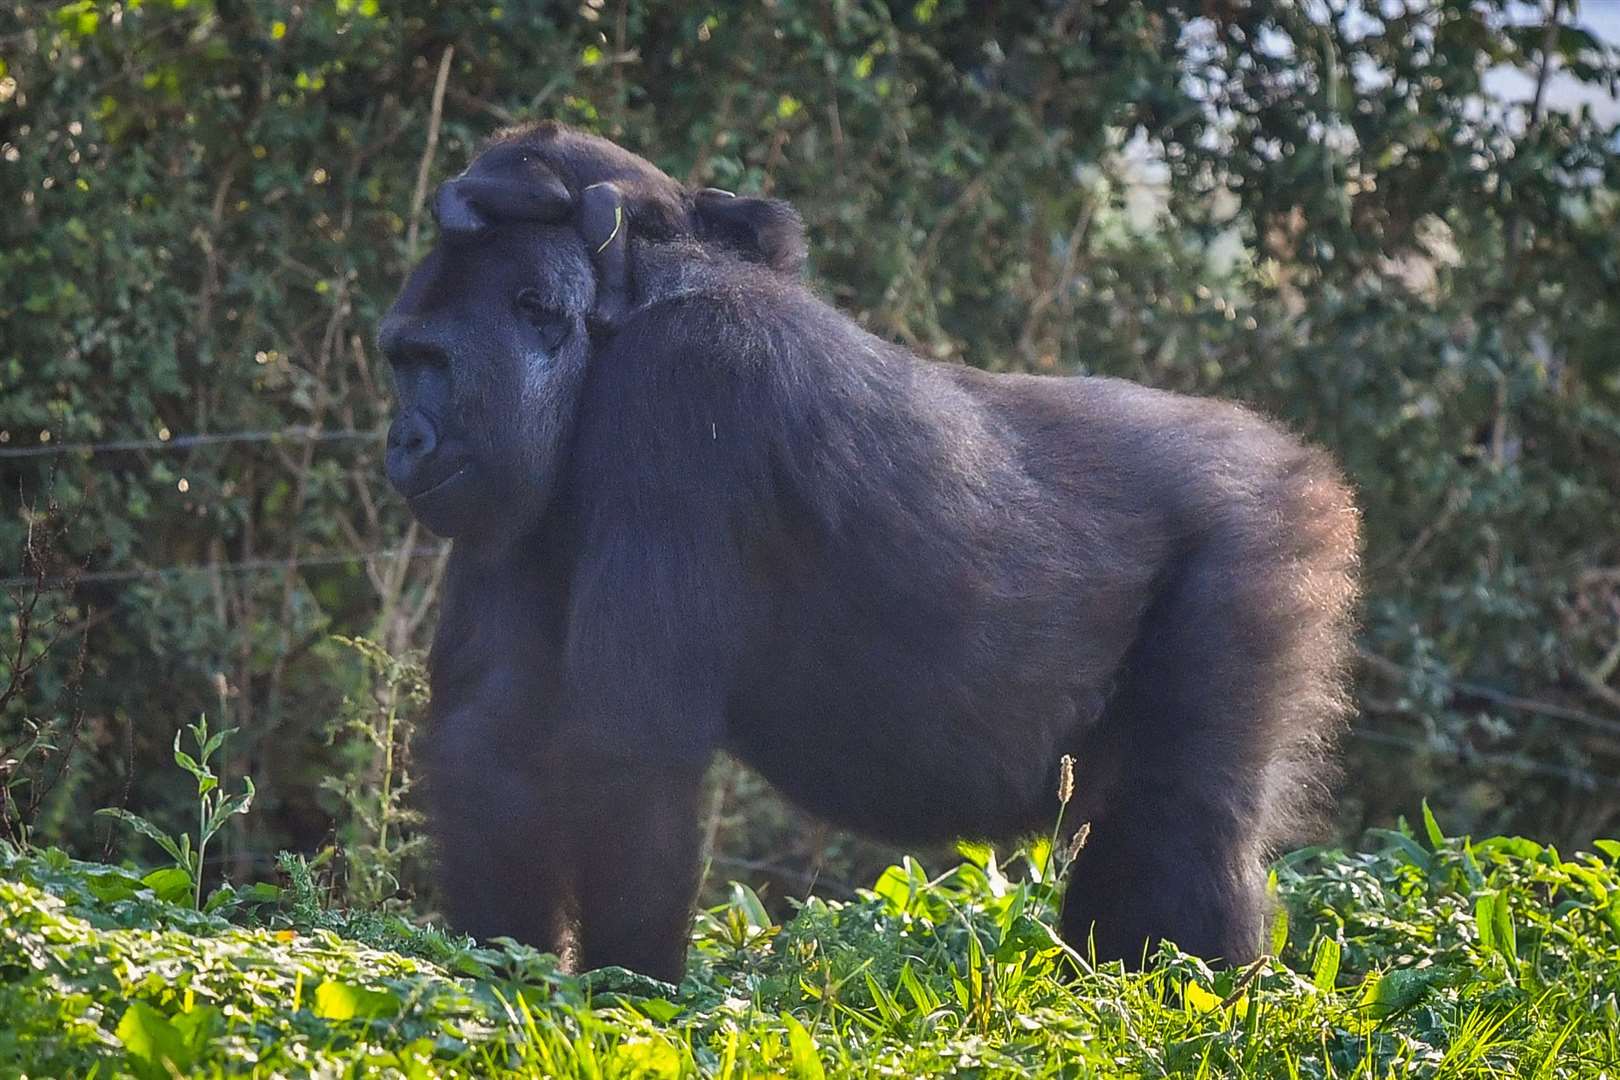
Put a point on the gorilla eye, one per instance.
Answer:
(553, 324)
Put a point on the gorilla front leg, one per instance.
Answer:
(501, 837)
(637, 866)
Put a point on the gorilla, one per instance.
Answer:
(694, 508)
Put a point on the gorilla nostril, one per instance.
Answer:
(413, 436)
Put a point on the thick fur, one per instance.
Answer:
(900, 590)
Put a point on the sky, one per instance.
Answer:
(1602, 19)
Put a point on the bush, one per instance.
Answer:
(209, 204)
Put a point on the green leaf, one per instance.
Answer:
(1398, 990)
(157, 1045)
(659, 1009)
(1026, 935)
(236, 804)
(147, 829)
(345, 1001)
(1518, 847)
(214, 742)
(172, 884)
(803, 1062)
(894, 886)
(1471, 870)
(112, 884)
(889, 1010)
(1199, 1000)
(1437, 839)
(224, 896)
(1325, 969)
(1404, 845)
(260, 892)
(1507, 939)
(187, 762)
(974, 852)
(747, 901)
(1485, 921)
(921, 996)
(1040, 857)
(1279, 932)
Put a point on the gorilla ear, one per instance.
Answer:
(763, 230)
(602, 224)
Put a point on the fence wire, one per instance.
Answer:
(244, 566)
(186, 442)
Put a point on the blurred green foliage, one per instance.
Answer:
(207, 204)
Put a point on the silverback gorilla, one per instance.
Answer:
(696, 509)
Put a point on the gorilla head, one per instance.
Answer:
(490, 339)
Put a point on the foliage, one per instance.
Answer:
(379, 830)
(1324, 209)
(36, 749)
(214, 809)
(1422, 959)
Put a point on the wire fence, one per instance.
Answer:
(186, 442)
(167, 442)
(244, 566)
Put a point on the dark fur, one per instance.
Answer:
(734, 520)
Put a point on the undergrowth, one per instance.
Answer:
(1431, 958)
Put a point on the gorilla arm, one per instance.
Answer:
(656, 620)
(674, 469)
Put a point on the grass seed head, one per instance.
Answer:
(1081, 835)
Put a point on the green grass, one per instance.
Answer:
(1497, 958)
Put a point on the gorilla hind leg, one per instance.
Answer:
(1161, 870)
(1227, 706)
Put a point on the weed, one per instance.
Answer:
(214, 809)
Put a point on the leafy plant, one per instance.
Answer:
(36, 745)
(214, 809)
(1345, 219)
(377, 826)
(1391, 974)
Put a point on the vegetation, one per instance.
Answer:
(1437, 959)
(1333, 217)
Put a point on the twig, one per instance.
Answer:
(435, 114)
(1391, 670)
(619, 94)
(1599, 689)
(840, 889)
(1059, 292)
(472, 101)
(1246, 980)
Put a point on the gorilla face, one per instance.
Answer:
(488, 345)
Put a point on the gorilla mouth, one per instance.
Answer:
(434, 488)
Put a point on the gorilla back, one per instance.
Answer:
(695, 508)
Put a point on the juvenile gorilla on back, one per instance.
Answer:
(695, 508)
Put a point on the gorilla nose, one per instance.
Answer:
(412, 442)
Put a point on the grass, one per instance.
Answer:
(1441, 958)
